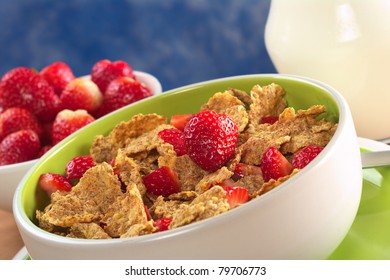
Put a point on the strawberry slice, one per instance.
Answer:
(180, 121)
(77, 166)
(274, 164)
(304, 156)
(269, 120)
(236, 195)
(175, 137)
(163, 181)
(51, 183)
(162, 223)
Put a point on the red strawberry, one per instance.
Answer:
(174, 137)
(51, 183)
(68, 121)
(162, 181)
(274, 164)
(163, 223)
(210, 139)
(77, 166)
(121, 92)
(81, 93)
(14, 119)
(270, 120)
(105, 71)
(180, 121)
(236, 195)
(44, 150)
(19, 146)
(243, 169)
(22, 87)
(304, 156)
(58, 75)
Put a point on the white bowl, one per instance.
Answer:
(306, 217)
(12, 174)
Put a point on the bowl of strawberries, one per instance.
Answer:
(40, 109)
(249, 167)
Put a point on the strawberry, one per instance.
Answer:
(19, 146)
(121, 92)
(77, 166)
(15, 118)
(81, 93)
(236, 195)
(242, 170)
(44, 150)
(51, 183)
(174, 137)
(305, 155)
(180, 121)
(274, 164)
(269, 120)
(22, 87)
(104, 71)
(162, 223)
(67, 122)
(163, 181)
(58, 75)
(210, 139)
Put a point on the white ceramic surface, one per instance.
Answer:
(304, 218)
(10, 175)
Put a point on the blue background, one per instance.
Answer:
(180, 42)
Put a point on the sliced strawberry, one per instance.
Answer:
(163, 223)
(163, 181)
(274, 164)
(236, 195)
(243, 170)
(210, 139)
(174, 137)
(81, 93)
(19, 146)
(58, 75)
(51, 183)
(305, 155)
(77, 166)
(15, 118)
(67, 122)
(180, 121)
(105, 71)
(269, 120)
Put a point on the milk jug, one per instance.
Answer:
(344, 43)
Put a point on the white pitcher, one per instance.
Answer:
(345, 43)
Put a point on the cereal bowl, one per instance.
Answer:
(12, 174)
(305, 217)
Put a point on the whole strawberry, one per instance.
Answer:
(19, 146)
(104, 71)
(58, 75)
(67, 122)
(121, 92)
(14, 119)
(22, 87)
(81, 93)
(210, 139)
